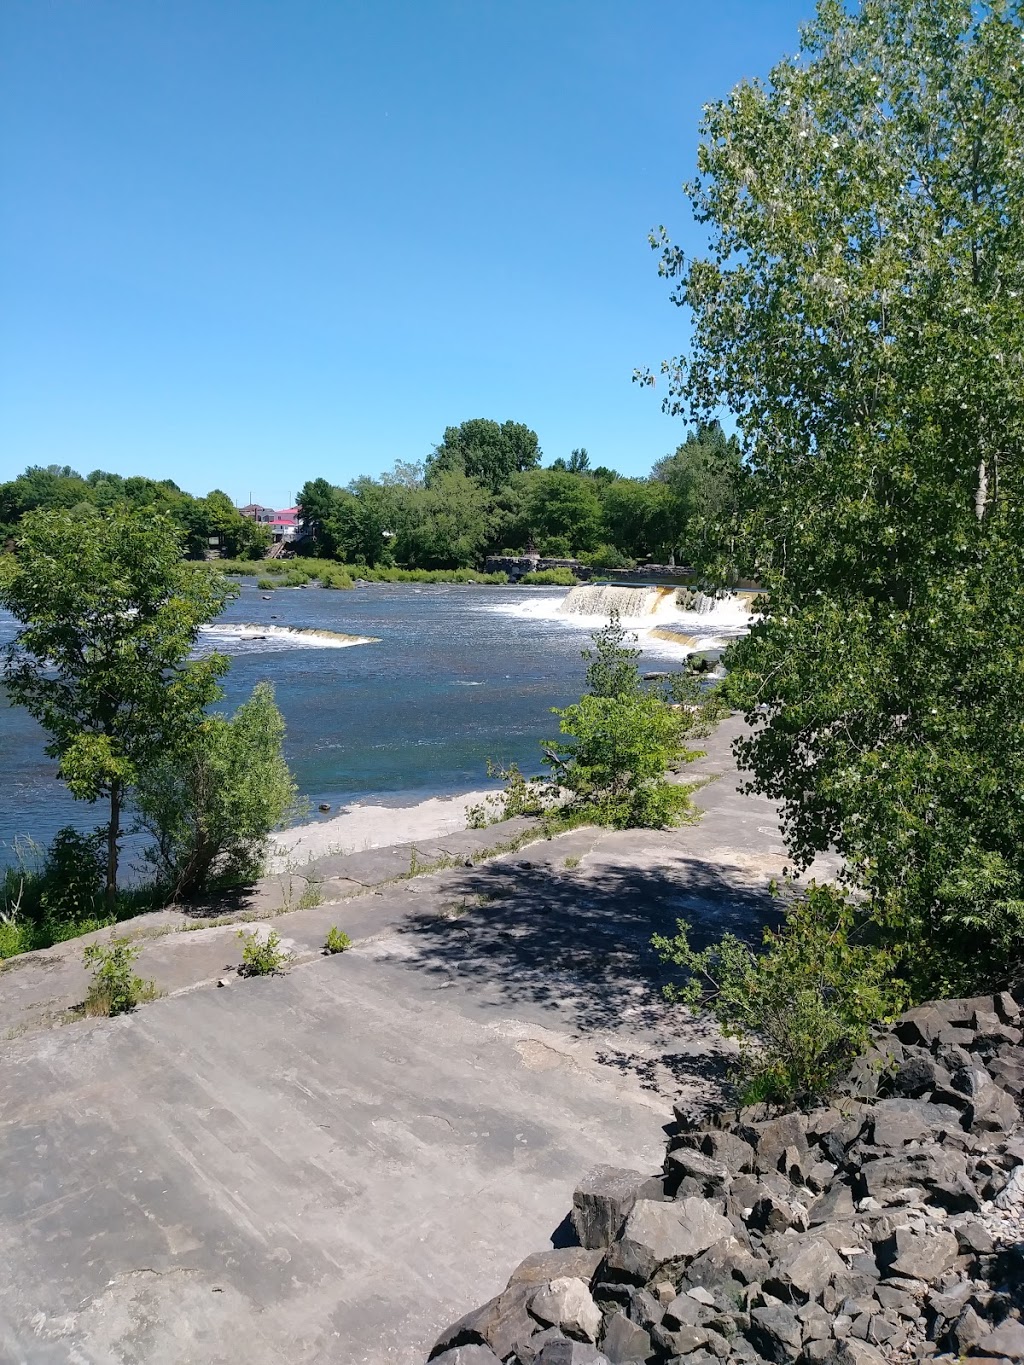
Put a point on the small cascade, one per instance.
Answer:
(601, 599)
(250, 633)
(693, 600)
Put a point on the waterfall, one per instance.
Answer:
(601, 599)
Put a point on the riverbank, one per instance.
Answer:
(426, 1099)
(370, 825)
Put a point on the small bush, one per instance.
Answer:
(337, 940)
(550, 578)
(266, 584)
(572, 862)
(115, 989)
(261, 956)
(801, 1009)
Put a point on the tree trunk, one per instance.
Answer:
(981, 494)
(113, 834)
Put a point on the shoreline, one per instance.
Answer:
(372, 824)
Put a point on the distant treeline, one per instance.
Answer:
(481, 491)
(60, 487)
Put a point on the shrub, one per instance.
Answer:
(550, 578)
(73, 876)
(801, 1009)
(266, 584)
(337, 940)
(623, 738)
(115, 989)
(211, 804)
(262, 955)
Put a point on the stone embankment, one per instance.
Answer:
(886, 1227)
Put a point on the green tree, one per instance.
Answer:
(211, 802)
(860, 314)
(318, 505)
(563, 506)
(701, 480)
(621, 739)
(638, 516)
(486, 451)
(109, 615)
(447, 525)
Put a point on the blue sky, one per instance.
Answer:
(246, 243)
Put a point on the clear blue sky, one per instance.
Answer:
(245, 243)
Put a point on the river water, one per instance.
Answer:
(460, 675)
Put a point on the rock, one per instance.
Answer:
(776, 1333)
(896, 1128)
(467, 1355)
(918, 1255)
(656, 1233)
(682, 1342)
(567, 1303)
(684, 1311)
(772, 1214)
(602, 1202)
(806, 1268)
(992, 1110)
(543, 1266)
(921, 1025)
(225, 981)
(836, 1202)
(919, 1076)
(324, 806)
(500, 1324)
(1007, 1341)
(624, 1341)
(771, 1138)
(730, 1150)
(851, 1351)
(1011, 1197)
(570, 1353)
(712, 1175)
(724, 1266)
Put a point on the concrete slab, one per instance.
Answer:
(330, 1165)
(326, 1166)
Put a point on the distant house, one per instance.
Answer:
(284, 526)
(263, 515)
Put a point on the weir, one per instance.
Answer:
(601, 599)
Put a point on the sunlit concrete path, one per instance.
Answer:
(329, 1165)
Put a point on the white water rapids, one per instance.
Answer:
(668, 622)
(278, 637)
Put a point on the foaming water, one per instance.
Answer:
(601, 599)
(225, 636)
(664, 626)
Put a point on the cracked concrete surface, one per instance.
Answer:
(330, 1165)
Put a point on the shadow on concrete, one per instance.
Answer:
(579, 946)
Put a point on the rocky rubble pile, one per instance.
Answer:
(888, 1226)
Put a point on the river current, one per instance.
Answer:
(458, 675)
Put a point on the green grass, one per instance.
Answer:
(550, 578)
(329, 573)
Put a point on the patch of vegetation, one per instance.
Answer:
(572, 862)
(550, 578)
(262, 954)
(50, 896)
(115, 988)
(803, 1007)
(337, 940)
(211, 802)
(607, 557)
(622, 738)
